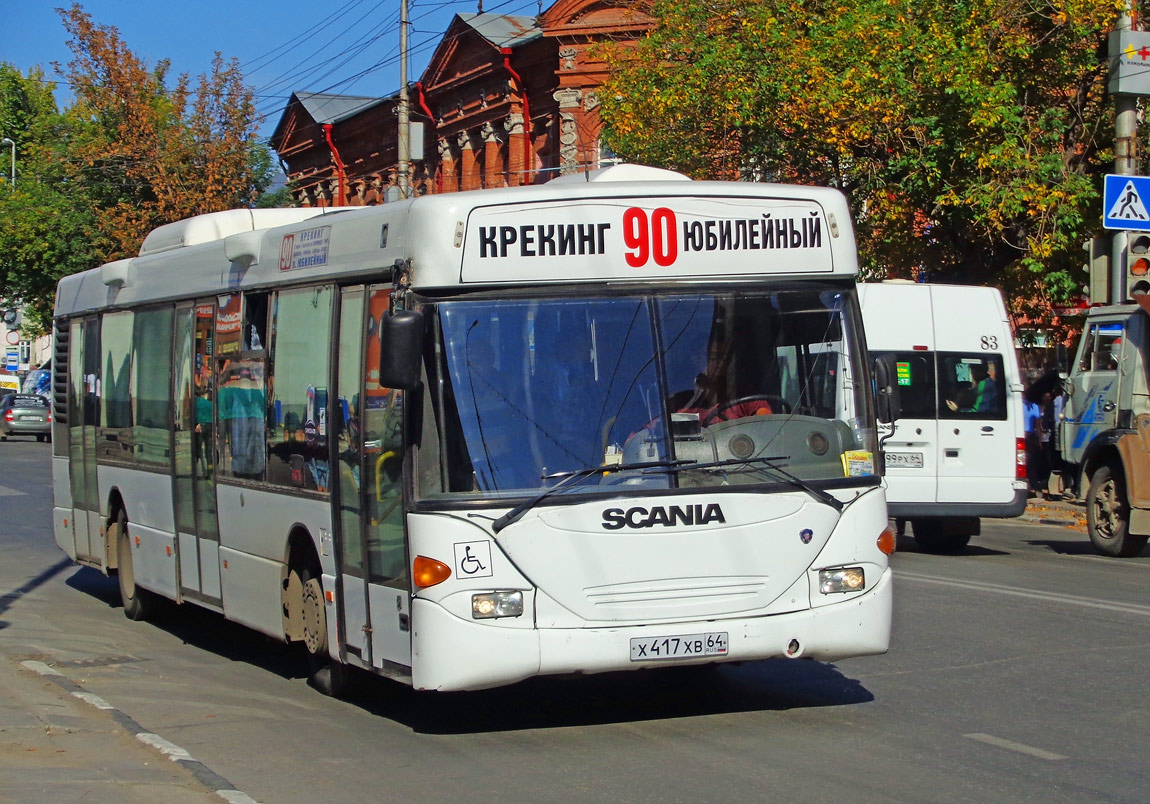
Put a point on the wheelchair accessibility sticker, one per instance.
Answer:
(473, 559)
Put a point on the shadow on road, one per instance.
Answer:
(662, 693)
(201, 628)
(95, 584)
(42, 578)
(1077, 547)
(907, 544)
(778, 684)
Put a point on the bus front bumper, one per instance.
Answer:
(449, 653)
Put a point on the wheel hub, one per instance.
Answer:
(314, 617)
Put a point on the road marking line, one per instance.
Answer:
(1053, 597)
(7, 492)
(170, 750)
(41, 668)
(235, 797)
(1013, 746)
(94, 700)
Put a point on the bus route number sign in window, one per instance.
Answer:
(902, 371)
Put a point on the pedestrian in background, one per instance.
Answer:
(1032, 422)
(1046, 429)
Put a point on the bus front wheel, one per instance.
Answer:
(328, 675)
(137, 601)
(1108, 514)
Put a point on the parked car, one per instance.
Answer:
(25, 414)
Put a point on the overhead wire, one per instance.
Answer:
(270, 104)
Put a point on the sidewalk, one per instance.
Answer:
(1056, 510)
(56, 746)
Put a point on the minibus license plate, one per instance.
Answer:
(910, 460)
(684, 646)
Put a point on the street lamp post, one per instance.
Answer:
(8, 141)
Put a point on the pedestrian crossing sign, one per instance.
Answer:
(1126, 203)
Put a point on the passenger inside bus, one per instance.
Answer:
(982, 395)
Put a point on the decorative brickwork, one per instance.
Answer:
(504, 101)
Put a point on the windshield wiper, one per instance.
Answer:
(769, 463)
(569, 479)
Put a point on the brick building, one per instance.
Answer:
(504, 101)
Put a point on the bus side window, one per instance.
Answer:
(297, 385)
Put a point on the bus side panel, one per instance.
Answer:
(63, 522)
(254, 528)
(259, 521)
(147, 500)
(251, 591)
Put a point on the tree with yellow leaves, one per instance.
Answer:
(147, 154)
(970, 136)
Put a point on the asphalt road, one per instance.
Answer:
(1016, 675)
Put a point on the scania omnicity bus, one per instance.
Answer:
(622, 421)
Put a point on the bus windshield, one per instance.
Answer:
(711, 389)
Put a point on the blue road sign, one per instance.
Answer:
(1126, 203)
(12, 363)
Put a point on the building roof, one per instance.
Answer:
(503, 30)
(325, 107)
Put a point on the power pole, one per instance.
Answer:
(404, 166)
(1125, 164)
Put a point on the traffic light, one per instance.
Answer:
(1098, 268)
(1138, 265)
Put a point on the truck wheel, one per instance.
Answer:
(1108, 514)
(931, 537)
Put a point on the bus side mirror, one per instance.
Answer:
(886, 389)
(401, 355)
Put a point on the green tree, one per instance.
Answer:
(132, 152)
(970, 136)
(45, 229)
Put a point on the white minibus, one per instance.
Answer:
(957, 451)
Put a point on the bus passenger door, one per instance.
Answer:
(373, 559)
(84, 400)
(194, 454)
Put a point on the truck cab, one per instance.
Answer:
(1106, 428)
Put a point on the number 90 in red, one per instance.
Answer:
(655, 238)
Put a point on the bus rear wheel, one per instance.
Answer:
(1108, 514)
(138, 603)
(328, 675)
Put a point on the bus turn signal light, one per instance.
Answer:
(428, 572)
(887, 542)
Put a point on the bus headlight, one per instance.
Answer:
(489, 605)
(845, 579)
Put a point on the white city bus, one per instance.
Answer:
(613, 423)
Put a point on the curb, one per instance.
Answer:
(201, 772)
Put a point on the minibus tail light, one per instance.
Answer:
(428, 572)
(1020, 459)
